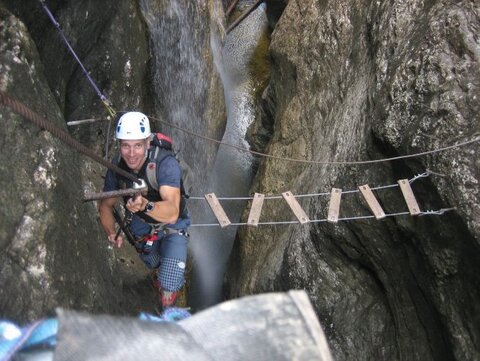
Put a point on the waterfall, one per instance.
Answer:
(181, 85)
(178, 33)
(232, 172)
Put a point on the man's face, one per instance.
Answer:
(133, 152)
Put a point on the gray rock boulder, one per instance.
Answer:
(51, 248)
(368, 80)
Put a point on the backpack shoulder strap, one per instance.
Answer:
(161, 148)
(156, 156)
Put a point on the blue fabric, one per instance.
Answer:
(14, 339)
(149, 258)
(169, 255)
(171, 274)
(139, 227)
(168, 173)
(111, 181)
(171, 314)
(174, 246)
(170, 246)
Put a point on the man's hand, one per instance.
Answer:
(136, 204)
(115, 240)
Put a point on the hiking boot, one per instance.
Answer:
(168, 298)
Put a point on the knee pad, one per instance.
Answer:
(151, 260)
(171, 274)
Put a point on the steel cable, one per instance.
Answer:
(307, 161)
(43, 123)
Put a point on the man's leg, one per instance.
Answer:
(149, 252)
(171, 273)
(149, 248)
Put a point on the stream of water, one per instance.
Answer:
(179, 78)
(232, 172)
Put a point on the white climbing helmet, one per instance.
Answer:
(133, 125)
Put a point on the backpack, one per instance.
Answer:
(161, 148)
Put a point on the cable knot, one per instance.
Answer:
(439, 212)
(418, 176)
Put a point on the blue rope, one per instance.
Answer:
(41, 334)
(171, 314)
(102, 97)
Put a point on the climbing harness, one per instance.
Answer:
(148, 239)
(157, 232)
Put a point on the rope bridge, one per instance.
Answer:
(258, 199)
(333, 206)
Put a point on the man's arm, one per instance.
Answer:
(105, 210)
(165, 211)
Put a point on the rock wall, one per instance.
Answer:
(53, 250)
(358, 80)
(51, 254)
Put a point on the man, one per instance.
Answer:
(159, 219)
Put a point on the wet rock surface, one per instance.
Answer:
(53, 250)
(368, 80)
(350, 80)
(51, 253)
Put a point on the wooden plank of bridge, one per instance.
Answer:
(256, 209)
(217, 209)
(334, 206)
(410, 199)
(296, 207)
(372, 201)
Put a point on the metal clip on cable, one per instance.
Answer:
(436, 213)
(418, 176)
(141, 186)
